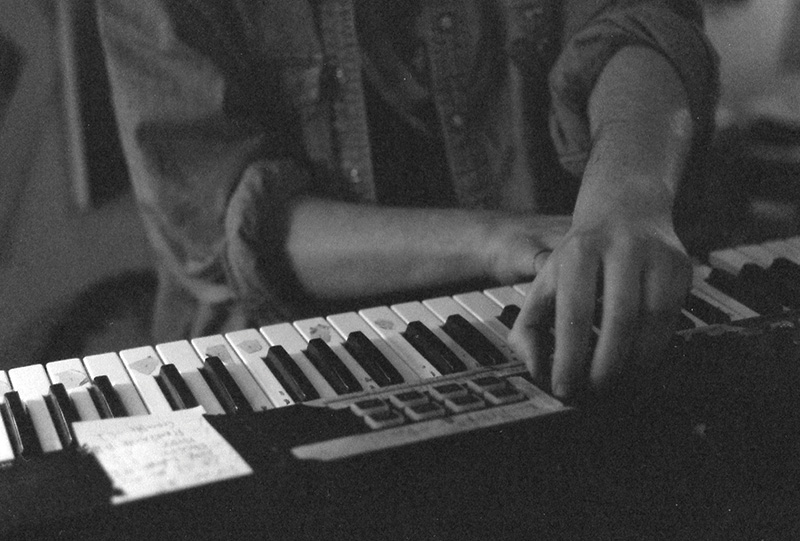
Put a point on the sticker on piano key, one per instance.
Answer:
(155, 454)
(250, 346)
(70, 373)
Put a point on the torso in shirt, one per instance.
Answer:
(408, 152)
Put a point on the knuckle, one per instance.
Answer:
(628, 244)
(578, 247)
(520, 344)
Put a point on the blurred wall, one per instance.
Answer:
(752, 37)
(49, 248)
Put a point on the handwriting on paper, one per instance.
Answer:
(153, 454)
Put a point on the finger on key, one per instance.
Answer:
(531, 335)
(621, 300)
(665, 289)
(575, 306)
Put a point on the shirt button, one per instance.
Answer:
(446, 22)
(532, 12)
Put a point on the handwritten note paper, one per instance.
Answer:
(154, 454)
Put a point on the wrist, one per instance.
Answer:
(641, 132)
(611, 195)
(514, 242)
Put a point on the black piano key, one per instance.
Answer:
(175, 390)
(788, 270)
(223, 385)
(787, 283)
(63, 412)
(473, 341)
(109, 394)
(509, 315)
(20, 427)
(60, 394)
(704, 311)
(372, 360)
(331, 367)
(763, 284)
(728, 284)
(289, 375)
(11, 429)
(432, 348)
(787, 265)
(100, 403)
(59, 421)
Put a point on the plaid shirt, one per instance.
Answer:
(228, 110)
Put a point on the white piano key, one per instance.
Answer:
(719, 305)
(349, 322)
(784, 249)
(289, 338)
(32, 384)
(6, 449)
(389, 326)
(444, 307)
(484, 309)
(320, 328)
(416, 311)
(217, 346)
(523, 288)
(143, 365)
(181, 354)
(728, 259)
(72, 375)
(110, 365)
(793, 242)
(505, 296)
(757, 254)
(732, 306)
(252, 347)
(694, 319)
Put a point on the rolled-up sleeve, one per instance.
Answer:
(673, 28)
(254, 253)
(209, 152)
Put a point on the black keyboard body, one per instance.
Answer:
(710, 452)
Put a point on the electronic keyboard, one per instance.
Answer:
(417, 419)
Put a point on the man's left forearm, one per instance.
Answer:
(641, 130)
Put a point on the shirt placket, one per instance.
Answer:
(448, 42)
(351, 134)
(532, 45)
